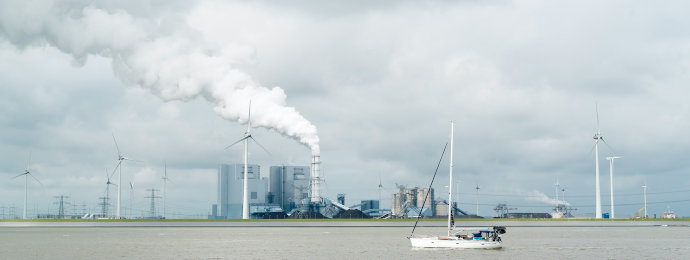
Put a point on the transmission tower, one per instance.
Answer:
(153, 197)
(61, 205)
(105, 204)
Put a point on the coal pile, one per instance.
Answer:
(351, 213)
(275, 215)
(306, 215)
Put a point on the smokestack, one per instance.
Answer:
(315, 179)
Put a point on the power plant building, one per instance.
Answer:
(289, 186)
(230, 190)
(409, 201)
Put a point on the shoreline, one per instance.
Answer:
(342, 223)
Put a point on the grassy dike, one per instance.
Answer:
(461, 220)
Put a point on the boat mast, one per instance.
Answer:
(450, 183)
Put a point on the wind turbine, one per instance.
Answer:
(247, 135)
(380, 188)
(107, 192)
(120, 159)
(645, 199)
(597, 137)
(165, 182)
(450, 181)
(477, 188)
(610, 159)
(131, 198)
(26, 174)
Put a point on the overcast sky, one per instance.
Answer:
(378, 82)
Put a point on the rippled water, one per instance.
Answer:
(333, 243)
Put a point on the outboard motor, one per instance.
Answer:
(499, 230)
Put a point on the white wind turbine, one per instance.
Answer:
(120, 159)
(165, 182)
(477, 188)
(610, 159)
(597, 137)
(380, 188)
(645, 199)
(107, 192)
(131, 198)
(26, 174)
(247, 135)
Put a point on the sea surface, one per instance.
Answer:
(647, 242)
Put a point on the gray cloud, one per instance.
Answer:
(381, 82)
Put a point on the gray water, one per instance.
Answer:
(333, 243)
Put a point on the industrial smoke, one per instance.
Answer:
(541, 197)
(155, 49)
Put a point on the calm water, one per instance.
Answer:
(334, 243)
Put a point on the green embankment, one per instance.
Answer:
(331, 220)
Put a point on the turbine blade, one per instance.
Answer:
(249, 119)
(607, 145)
(238, 141)
(32, 176)
(596, 104)
(131, 185)
(27, 161)
(132, 160)
(115, 170)
(116, 146)
(262, 147)
(18, 175)
(590, 150)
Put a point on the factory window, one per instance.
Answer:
(299, 176)
(254, 195)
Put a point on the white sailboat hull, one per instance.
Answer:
(451, 242)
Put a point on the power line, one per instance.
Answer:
(579, 205)
(572, 196)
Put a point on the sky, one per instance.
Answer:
(371, 87)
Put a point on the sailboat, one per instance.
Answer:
(462, 237)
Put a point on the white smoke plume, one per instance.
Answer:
(541, 197)
(152, 47)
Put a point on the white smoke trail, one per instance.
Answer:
(152, 47)
(541, 197)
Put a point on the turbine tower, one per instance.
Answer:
(380, 188)
(247, 135)
(165, 182)
(597, 137)
(450, 182)
(610, 159)
(645, 199)
(26, 174)
(107, 192)
(131, 198)
(120, 159)
(477, 188)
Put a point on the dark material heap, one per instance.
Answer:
(306, 215)
(351, 213)
(274, 215)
